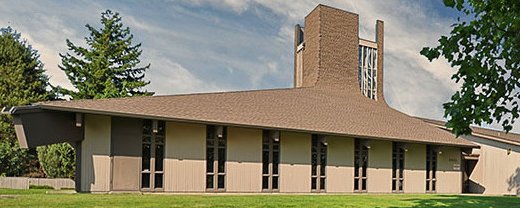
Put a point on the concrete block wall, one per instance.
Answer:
(25, 183)
(14, 182)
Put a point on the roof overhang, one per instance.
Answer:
(59, 126)
(173, 119)
(473, 133)
(470, 156)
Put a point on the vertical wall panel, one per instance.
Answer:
(485, 177)
(449, 174)
(415, 169)
(244, 160)
(505, 181)
(126, 152)
(340, 164)
(379, 167)
(185, 157)
(95, 154)
(295, 157)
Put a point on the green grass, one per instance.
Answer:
(42, 198)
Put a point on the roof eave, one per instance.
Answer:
(144, 116)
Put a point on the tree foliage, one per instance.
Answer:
(58, 160)
(108, 67)
(23, 81)
(13, 160)
(22, 77)
(485, 47)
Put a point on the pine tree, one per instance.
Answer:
(23, 81)
(22, 76)
(108, 67)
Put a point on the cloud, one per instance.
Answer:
(177, 79)
(408, 27)
(45, 30)
(237, 6)
(210, 45)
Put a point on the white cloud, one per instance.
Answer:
(237, 6)
(177, 80)
(407, 29)
(210, 45)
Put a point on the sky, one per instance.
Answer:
(211, 45)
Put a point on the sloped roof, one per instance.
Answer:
(490, 133)
(313, 109)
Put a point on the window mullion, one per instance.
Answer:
(215, 165)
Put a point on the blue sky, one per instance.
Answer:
(210, 45)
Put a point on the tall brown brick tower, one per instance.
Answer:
(330, 54)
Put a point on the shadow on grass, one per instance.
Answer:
(465, 201)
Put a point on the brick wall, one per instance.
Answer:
(331, 48)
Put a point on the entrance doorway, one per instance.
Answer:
(469, 162)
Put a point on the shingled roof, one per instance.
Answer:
(328, 102)
(479, 131)
(308, 109)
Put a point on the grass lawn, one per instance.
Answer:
(40, 198)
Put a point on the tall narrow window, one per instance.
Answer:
(367, 71)
(216, 137)
(397, 167)
(431, 168)
(270, 160)
(360, 166)
(152, 157)
(318, 163)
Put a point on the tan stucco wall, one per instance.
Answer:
(501, 172)
(449, 174)
(185, 162)
(185, 157)
(496, 171)
(295, 158)
(415, 169)
(244, 160)
(340, 164)
(95, 154)
(379, 167)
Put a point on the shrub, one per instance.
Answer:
(40, 187)
(13, 159)
(57, 160)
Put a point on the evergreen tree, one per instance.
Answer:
(108, 67)
(23, 81)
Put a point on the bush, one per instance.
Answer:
(57, 160)
(40, 187)
(13, 159)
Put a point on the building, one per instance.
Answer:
(332, 132)
(494, 168)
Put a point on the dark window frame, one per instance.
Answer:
(216, 145)
(271, 146)
(361, 154)
(319, 150)
(431, 168)
(154, 135)
(398, 164)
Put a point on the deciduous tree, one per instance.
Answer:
(484, 47)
